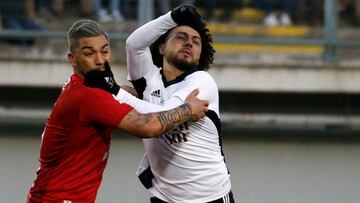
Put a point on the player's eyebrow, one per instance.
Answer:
(92, 47)
(187, 34)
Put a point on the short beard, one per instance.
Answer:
(180, 64)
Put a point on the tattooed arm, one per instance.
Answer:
(153, 124)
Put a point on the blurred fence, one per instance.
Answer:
(147, 10)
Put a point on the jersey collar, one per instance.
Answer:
(179, 78)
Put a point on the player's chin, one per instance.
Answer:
(186, 59)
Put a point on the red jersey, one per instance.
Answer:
(75, 144)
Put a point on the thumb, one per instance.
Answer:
(195, 92)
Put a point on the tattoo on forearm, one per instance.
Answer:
(170, 119)
(139, 120)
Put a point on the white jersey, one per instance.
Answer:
(185, 164)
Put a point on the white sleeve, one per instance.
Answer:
(138, 54)
(144, 106)
(200, 80)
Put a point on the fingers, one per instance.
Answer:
(94, 75)
(206, 103)
(199, 106)
(194, 93)
(108, 69)
(204, 111)
(107, 66)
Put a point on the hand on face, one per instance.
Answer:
(103, 79)
(90, 54)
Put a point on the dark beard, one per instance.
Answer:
(180, 64)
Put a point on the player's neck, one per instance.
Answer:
(171, 72)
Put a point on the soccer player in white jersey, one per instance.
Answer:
(166, 59)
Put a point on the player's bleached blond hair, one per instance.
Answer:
(84, 28)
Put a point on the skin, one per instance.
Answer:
(183, 44)
(153, 124)
(92, 53)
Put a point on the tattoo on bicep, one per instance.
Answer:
(170, 119)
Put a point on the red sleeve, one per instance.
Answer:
(100, 107)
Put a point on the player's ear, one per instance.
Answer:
(71, 58)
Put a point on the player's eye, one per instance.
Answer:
(180, 37)
(197, 42)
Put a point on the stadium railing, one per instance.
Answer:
(329, 41)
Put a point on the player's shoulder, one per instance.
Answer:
(91, 92)
(200, 76)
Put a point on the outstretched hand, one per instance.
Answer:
(103, 80)
(185, 15)
(198, 106)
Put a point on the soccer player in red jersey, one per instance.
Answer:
(76, 139)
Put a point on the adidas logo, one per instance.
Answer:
(156, 93)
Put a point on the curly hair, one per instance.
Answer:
(207, 50)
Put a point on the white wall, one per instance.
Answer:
(228, 77)
(262, 171)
